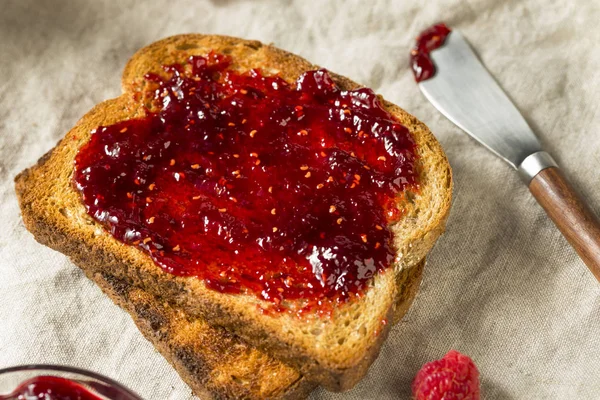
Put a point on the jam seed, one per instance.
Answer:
(270, 189)
(363, 237)
(151, 220)
(274, 229)
(233, 199)
(299, 108)
(339, 221)
(379, 227)
(347, 130)
(136, 181)
(381, 158)
(146, 240)
(323, 154)
(253, 155)
(330, 179)
(257, 162)
(303, 132)
(129, 195)
(236, 172)
(148, 200)
(123, 130)
(196, 198)
(176, 248)
(304, 167)
(357, 177)
(332, 209)
(377, 245)
(273, 211)
(307, 175)
(172, 162)
(243, 91)
(252, 133)
(243, 121)
(236, 156)
(320, 186)
(222, 210)
(231, 124)
(151, 186)
(347, 112)
(195, 166)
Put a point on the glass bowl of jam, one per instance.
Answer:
(54, 382)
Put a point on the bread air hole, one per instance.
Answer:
(186, 46)
(363, 330)
(239, 380)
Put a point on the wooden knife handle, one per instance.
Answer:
(572, 216)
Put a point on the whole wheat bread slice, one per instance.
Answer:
(212, 361)
(334, 352)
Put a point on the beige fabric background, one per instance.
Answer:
(502, 285)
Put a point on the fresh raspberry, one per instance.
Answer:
(454, 377)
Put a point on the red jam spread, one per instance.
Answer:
(50, 388)
(253, 184)
(430, 39)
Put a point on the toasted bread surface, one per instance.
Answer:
(336, 351)
(212, 361)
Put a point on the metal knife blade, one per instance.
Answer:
(466, 93)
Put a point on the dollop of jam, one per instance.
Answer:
(253, 184)
(420, 60)
(50, 388)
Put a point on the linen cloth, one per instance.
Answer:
(502, 285)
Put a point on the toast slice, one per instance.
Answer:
(334, 352)
(212, 361)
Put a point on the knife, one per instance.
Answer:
(462, 89)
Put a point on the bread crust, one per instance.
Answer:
(212, 361)
(339, 353)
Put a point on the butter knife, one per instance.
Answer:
(461, 88)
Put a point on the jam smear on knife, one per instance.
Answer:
(420, 60)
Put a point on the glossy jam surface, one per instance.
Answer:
(420, 60)
(50, 388)
(252, 184)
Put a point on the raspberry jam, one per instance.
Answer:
(50, 388)
(253, 184)
(430, 39)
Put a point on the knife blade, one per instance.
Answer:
(464, 91)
